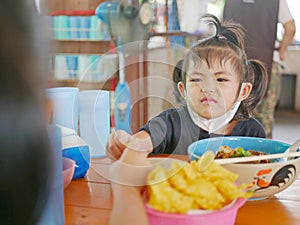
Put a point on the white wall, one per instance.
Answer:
(160, 85)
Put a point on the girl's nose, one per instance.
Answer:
(205, 89)
(208, 86)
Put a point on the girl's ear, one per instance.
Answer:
(245, 92)
(180, 86)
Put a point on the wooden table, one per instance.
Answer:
(89, 201)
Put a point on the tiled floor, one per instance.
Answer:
(287, 126)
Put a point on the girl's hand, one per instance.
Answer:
(133, 166)
(117, 143)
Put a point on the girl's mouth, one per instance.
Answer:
(208, 100)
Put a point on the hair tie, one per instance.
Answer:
(221, 37)
(247, 62)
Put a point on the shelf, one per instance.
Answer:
(48, 6)
(80, 46)
(136, 70)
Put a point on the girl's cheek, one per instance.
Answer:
(193, 86)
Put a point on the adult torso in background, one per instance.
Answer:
(259, 18)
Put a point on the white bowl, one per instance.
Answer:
(68, 171)
(264, 179)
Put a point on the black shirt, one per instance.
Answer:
(173, 130)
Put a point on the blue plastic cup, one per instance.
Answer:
(74, 27)
(72, 65)
(94, 59)
(65, 106)
(95, 120)
(95, 28)
(61, 27)
(85, 26)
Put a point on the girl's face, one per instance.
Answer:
(211, 92)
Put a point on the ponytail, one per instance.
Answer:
(259, 79)
(177, 77)
(177, 72)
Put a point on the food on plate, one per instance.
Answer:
(227, 152)
(184, 187)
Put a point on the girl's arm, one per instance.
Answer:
(128, 175)
(118, 141)
(128, 206)
(288, 36)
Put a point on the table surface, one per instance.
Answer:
(89, 201)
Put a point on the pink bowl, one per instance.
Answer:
(68, 170)
(225, 216)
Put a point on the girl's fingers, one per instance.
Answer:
(116, 144)
(121, 139)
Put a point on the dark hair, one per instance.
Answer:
(258, 77)
(26, 153)
(177, 77)
(227, 44)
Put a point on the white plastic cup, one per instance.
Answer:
(84, 68)
(60, 67)
(95, 120)
(65, 106)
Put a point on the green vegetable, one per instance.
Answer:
(240, 152)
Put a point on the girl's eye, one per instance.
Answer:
(222, 79)
(195, 80)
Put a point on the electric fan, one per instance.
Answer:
(128, 22)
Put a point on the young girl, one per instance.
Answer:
(221, 87)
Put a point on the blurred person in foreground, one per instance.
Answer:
(26, 153)
(260, 18)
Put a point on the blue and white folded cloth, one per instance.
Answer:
(77, 149)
